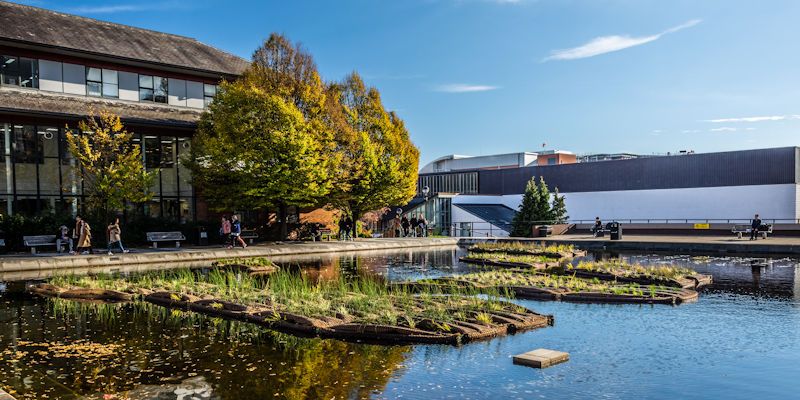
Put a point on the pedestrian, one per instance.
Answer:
(85, 238)
(343, 231)
(414, 224)
(114, 235)
(236, 232)
(225, 232)
(754, 227)
(423, 225)
(397, 226)
(348, 226)
(405, 224)
(63, 238)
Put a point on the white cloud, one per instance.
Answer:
(464, 88)
(690, 131)
(608, 44)
(724, 129)
(754, 119)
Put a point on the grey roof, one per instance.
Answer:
(37, 26)
(498, 215)
(39, 102)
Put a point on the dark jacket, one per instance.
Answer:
(756, 223)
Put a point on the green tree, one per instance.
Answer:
(378, 159)
(255, 149)
(538, 207)
(109, 164)
(559, 208)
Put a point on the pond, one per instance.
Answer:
(740, 340)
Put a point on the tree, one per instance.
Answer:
(559, 208)
(379, 159)
(254, 149)
(538, 207)
(109, 164)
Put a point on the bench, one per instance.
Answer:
(156, 237)
(599, 232)
(320, 234)
(740, 230)
(249, 235)
(38, 241)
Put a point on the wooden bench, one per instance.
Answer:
(38, 241)
(156, 237)
(249, 234)
(599, 232)
(321, 233)
(740, 230)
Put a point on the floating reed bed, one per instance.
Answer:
(621, 271)
(506, 260)
(251, 265)
(365, 309)
(531, 285)
(557, 251)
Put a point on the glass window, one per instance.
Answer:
(18, 71)
(153, 88)
(102, 82)
(27, 146)
(209, 91)
(152, 152)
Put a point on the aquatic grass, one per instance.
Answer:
(364, 300)
(621, 268)
(532, 247)
(513, 258)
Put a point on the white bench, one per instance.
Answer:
(740, 230)
(157, 237)
(38, 241)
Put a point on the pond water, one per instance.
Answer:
(741, 340)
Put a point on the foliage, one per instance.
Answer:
(109, 164)
(378, 159)
(621, 268)
(522, 247)
(537, 207)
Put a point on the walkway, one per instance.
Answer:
(23, 267)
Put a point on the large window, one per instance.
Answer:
(19, 71)
(102, 82)
(153, 88)
(209, 91)
(27, 145)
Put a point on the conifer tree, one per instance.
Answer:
(559, 208)
(522, 224)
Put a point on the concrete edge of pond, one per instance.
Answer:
(5, 396)
(46, 261)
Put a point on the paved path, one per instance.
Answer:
(23, 267)
(683, 243)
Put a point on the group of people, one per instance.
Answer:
(81, 237)
(416, 226)
(231, 232)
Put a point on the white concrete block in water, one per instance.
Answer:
(541, 358)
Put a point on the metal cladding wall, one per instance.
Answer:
(735, 168)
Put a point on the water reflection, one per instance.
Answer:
(63, 349)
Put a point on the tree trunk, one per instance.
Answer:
(355, 215)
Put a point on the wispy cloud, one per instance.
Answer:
(723, 129)
(125, 7)
(753, 119)
(464, 88)
(608, 44)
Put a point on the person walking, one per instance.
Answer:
(405, 224)
(423, 225)
(414, 223)
(343, 232)
(63, 238)
(236, 232)
(114, 235)
(225, 231)
(754, 227)
(84, 238)
(348, 226)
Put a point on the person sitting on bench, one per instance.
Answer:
(754, 227)
(63, 238)
(598, 226)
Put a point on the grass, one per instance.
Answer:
(621, 268)
(520, 247)
(365, 300)
(508, 278)
(248, 262)
(511, 257)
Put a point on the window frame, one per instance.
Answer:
(17, 71)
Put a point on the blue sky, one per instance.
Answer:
(490, 76)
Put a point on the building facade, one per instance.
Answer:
(58, 68)
(720, 186)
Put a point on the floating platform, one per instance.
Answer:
(541, 358)
(508, 320)
(694, 281)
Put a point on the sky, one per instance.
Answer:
(480, 77)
